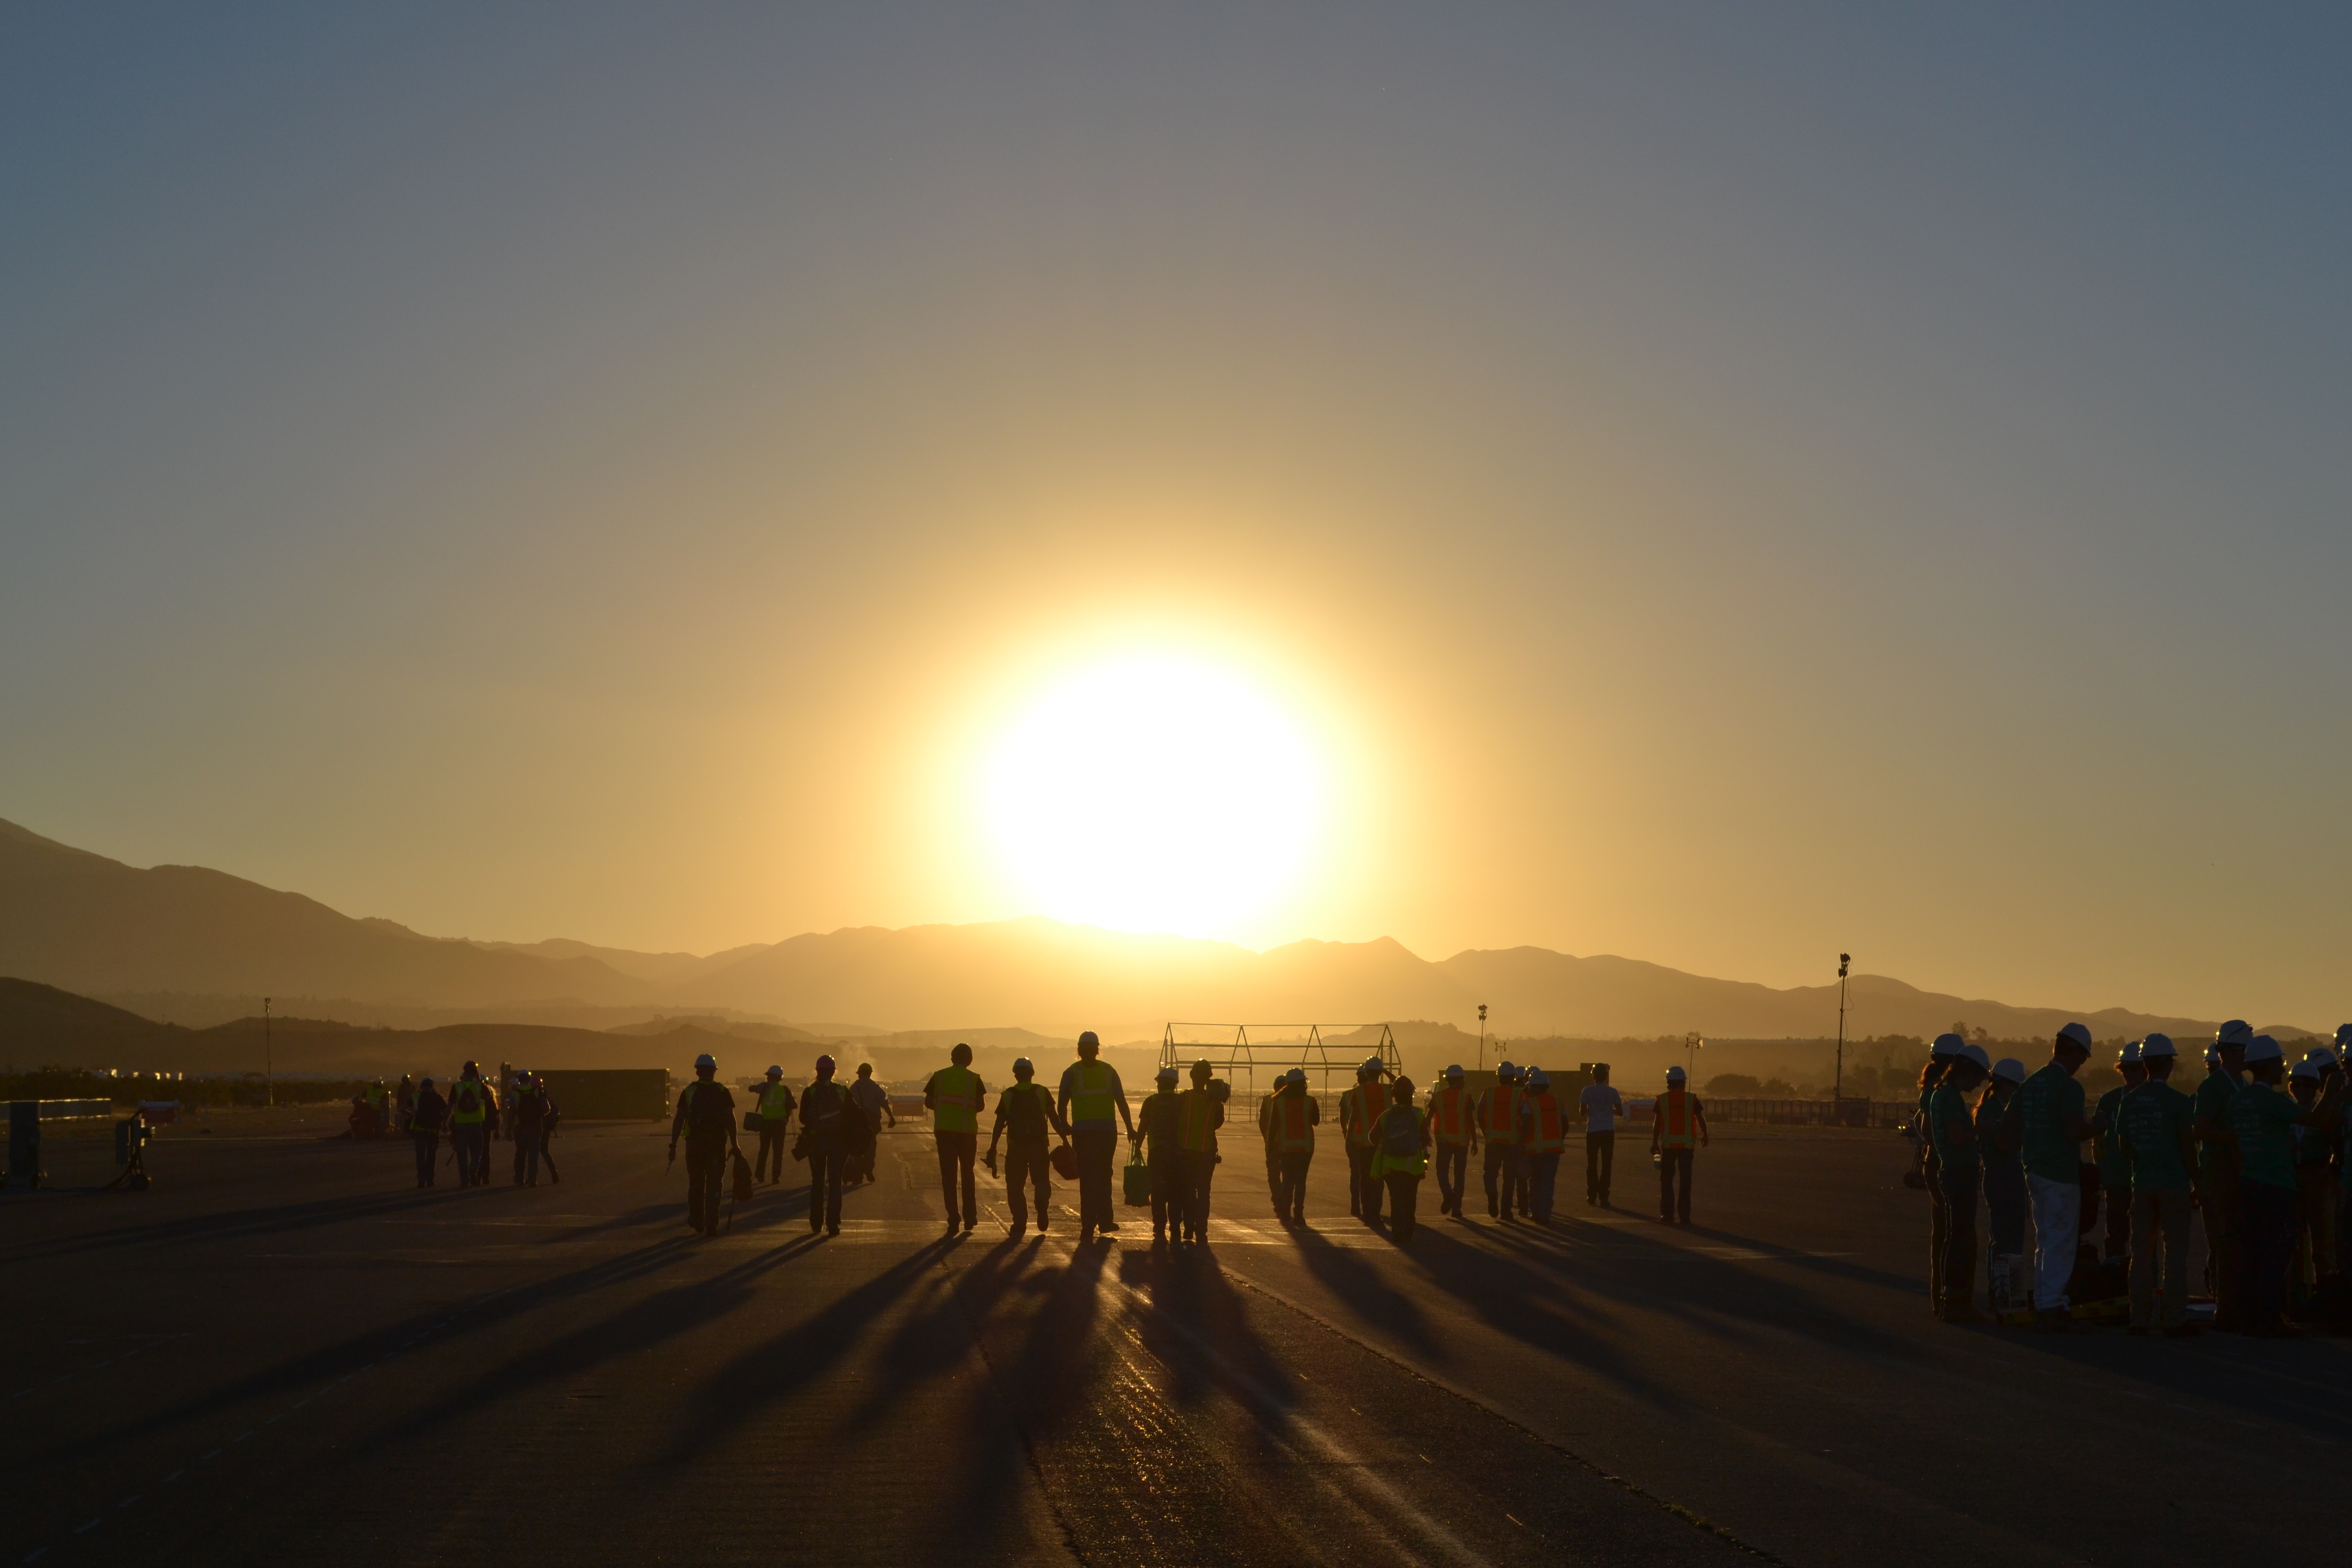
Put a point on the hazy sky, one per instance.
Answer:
(1719, 486)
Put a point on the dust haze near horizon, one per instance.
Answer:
(1712, 486)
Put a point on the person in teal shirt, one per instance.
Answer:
(2154, 1124)
(1952, 1130)
(2048, 1123)
(2262, 1119)
(2217, 1169)
(2115, 1170)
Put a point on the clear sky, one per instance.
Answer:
(1716, 485)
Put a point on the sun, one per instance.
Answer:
(1155, 794)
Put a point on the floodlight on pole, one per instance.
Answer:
(1693, 1043)
(1838, 1093)
(1481, 1036)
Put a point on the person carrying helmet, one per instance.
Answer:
(1199, 1112)
(873, 1103)
(825, 1112)
(1454, 1129)
(1602, 1106)
(2006, 1284)
(1358, 1109)
(1292, 1116)
(2115, 1166)
(1960, 1167)
(1543, 1133)
(470, 1109)
(1161, 1125)
(1400, 1158)
(1090, 1094)
(772, 1101)
(2156, 1129)
(1678, 1130)
(2217, 1167)
(2047, 1113)
(706, 1116)
(1027, 1112)
(2263, 1121)
(955, 1095)
(425, 1114)
(1498, 1123)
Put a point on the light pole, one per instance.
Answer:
(1481, 1036)
(1838, 1093)
(269, 1059)
(1692, 1045)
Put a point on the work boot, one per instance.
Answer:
(1108, 1227)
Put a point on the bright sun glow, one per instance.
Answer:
(1155, 794)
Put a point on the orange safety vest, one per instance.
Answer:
(1449, 1115)
(1501, 1121)
(1678, 1128)
(1371, 1099)
(1292, 1131)
(1551, 1133)
(1196, 1132)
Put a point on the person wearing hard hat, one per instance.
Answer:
(2216, 1168)
(1940, 1057)
(706, 1117)
(1358, 1109)
(829, 1136)
(2262, 1119)
(1091, 1095)
(1026, 1109)
(955, 1095)
(1159, 1124)
(1265, 1139)
(1453, 1128)
(1498, 1123)
(1199, 1112)
(404, 1102)
(2315, 1187)
(873, 1103)
(1602, 1107)
(526, 1107)
(2156, 1127)
(469, 1110)
(1677, 1130)
(2006, 1284)
(425, 1114)
(773, 1101)
(2115, 1169)
(1293, 1116)
(2335, 1070)
(2049, 1118)
(1543, 1133)
(1400, 1158)
(1960, 1167)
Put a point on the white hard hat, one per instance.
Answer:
(2078, 1033)
(2306, 1069)
(1023, 1064)
(1538, 1078)
(2213, 1056)
(775, 1071)
(2011, 1069)
(1454, 1069)
(2326, 1057)
(1976, 1054)
(1675, 1075)
(705, 1060)
(2236, 1032)
(1371, 1065)
(2262, 1048)
(1166, 1075)
(1506, 1070)
(2130, 1053)
(2343, 1035)
(1946, 1045)
(2157, 1045)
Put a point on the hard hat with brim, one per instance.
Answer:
(2157, 1045)
(1947, 1045)
(2262, 1048)
(1538, 1078)
(2308, 1068)
(705, 1060)
(1453, 1069)
(2009, 1068)
(2130, 1054)
(1022, 1065)
(1167, 1075)
(1506, 1069)
(775, 1070)
(1675, 1075)
(1976, 1054)
(2343, 1036)
(2080, 1033)
(2236, 1032)
(2326, 1057)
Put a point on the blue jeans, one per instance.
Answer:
(1543, 1174)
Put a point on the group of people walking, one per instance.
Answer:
(2262, 1149)
(474, 1113)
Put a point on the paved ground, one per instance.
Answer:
(285, 1350)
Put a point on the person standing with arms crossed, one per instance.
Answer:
(706, 1116)
(1090, 1094)
(1028, 1111)
(1602, 1106)
(2049, 1125)
(955, 1095)
(1677, 1131)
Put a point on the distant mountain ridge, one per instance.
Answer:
(84, 923)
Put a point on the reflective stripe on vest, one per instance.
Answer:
(466, 1102)
(1502, 1119)
(1090, 1097)
(1551, 1133)
(1678, 1130)
(1449, 1115)
(1372, 1099)
(1292, 1131)
(775, 1102)
(1195, 1115)
(955, 1100)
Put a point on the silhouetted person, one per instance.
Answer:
(2051, 1126)
(2157, 1128)
(1453, 1125)
(1292, 1116)
(1359, 1108)
(1543, 1134)
(1398, 1139)
(547, 1128)
(1678, 1130)
(1959, 1168)
(529, 1106)
(825, 1112)
(2115, 1167)
(1201, 1110)
(1499, 1121)
(2004, 1182)
(1025, 1113)
(1603, 1108)
(954, 1095)
(2216, 1168)
(1095, 1106)
(1940, 1057)
(772, 1103)
(874, 1102)
(426, 1113)
(706, 1115)
(2263, 1121)
(1160, 1125)
(469, 1112)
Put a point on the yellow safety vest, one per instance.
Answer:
(1090, 1099)
(955, 1100)
(775, 1102)
(467, 1106)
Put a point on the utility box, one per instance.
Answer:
(609, 1094)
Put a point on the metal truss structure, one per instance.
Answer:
(1231, 1051)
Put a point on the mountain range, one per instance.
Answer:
(186, 944)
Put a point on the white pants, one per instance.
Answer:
(2057, 1220)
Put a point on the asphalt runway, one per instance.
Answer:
(286, 1353)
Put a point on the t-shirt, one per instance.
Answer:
(870, 1097)
(2212, 1104)
(2149, 1122)
(2115, 1167)
(2261, 1117)
(1997, 1161)
(1602, 1106)
(1949, 1128)
(2048, 1103)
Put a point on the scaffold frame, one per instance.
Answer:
(1292, 1046)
